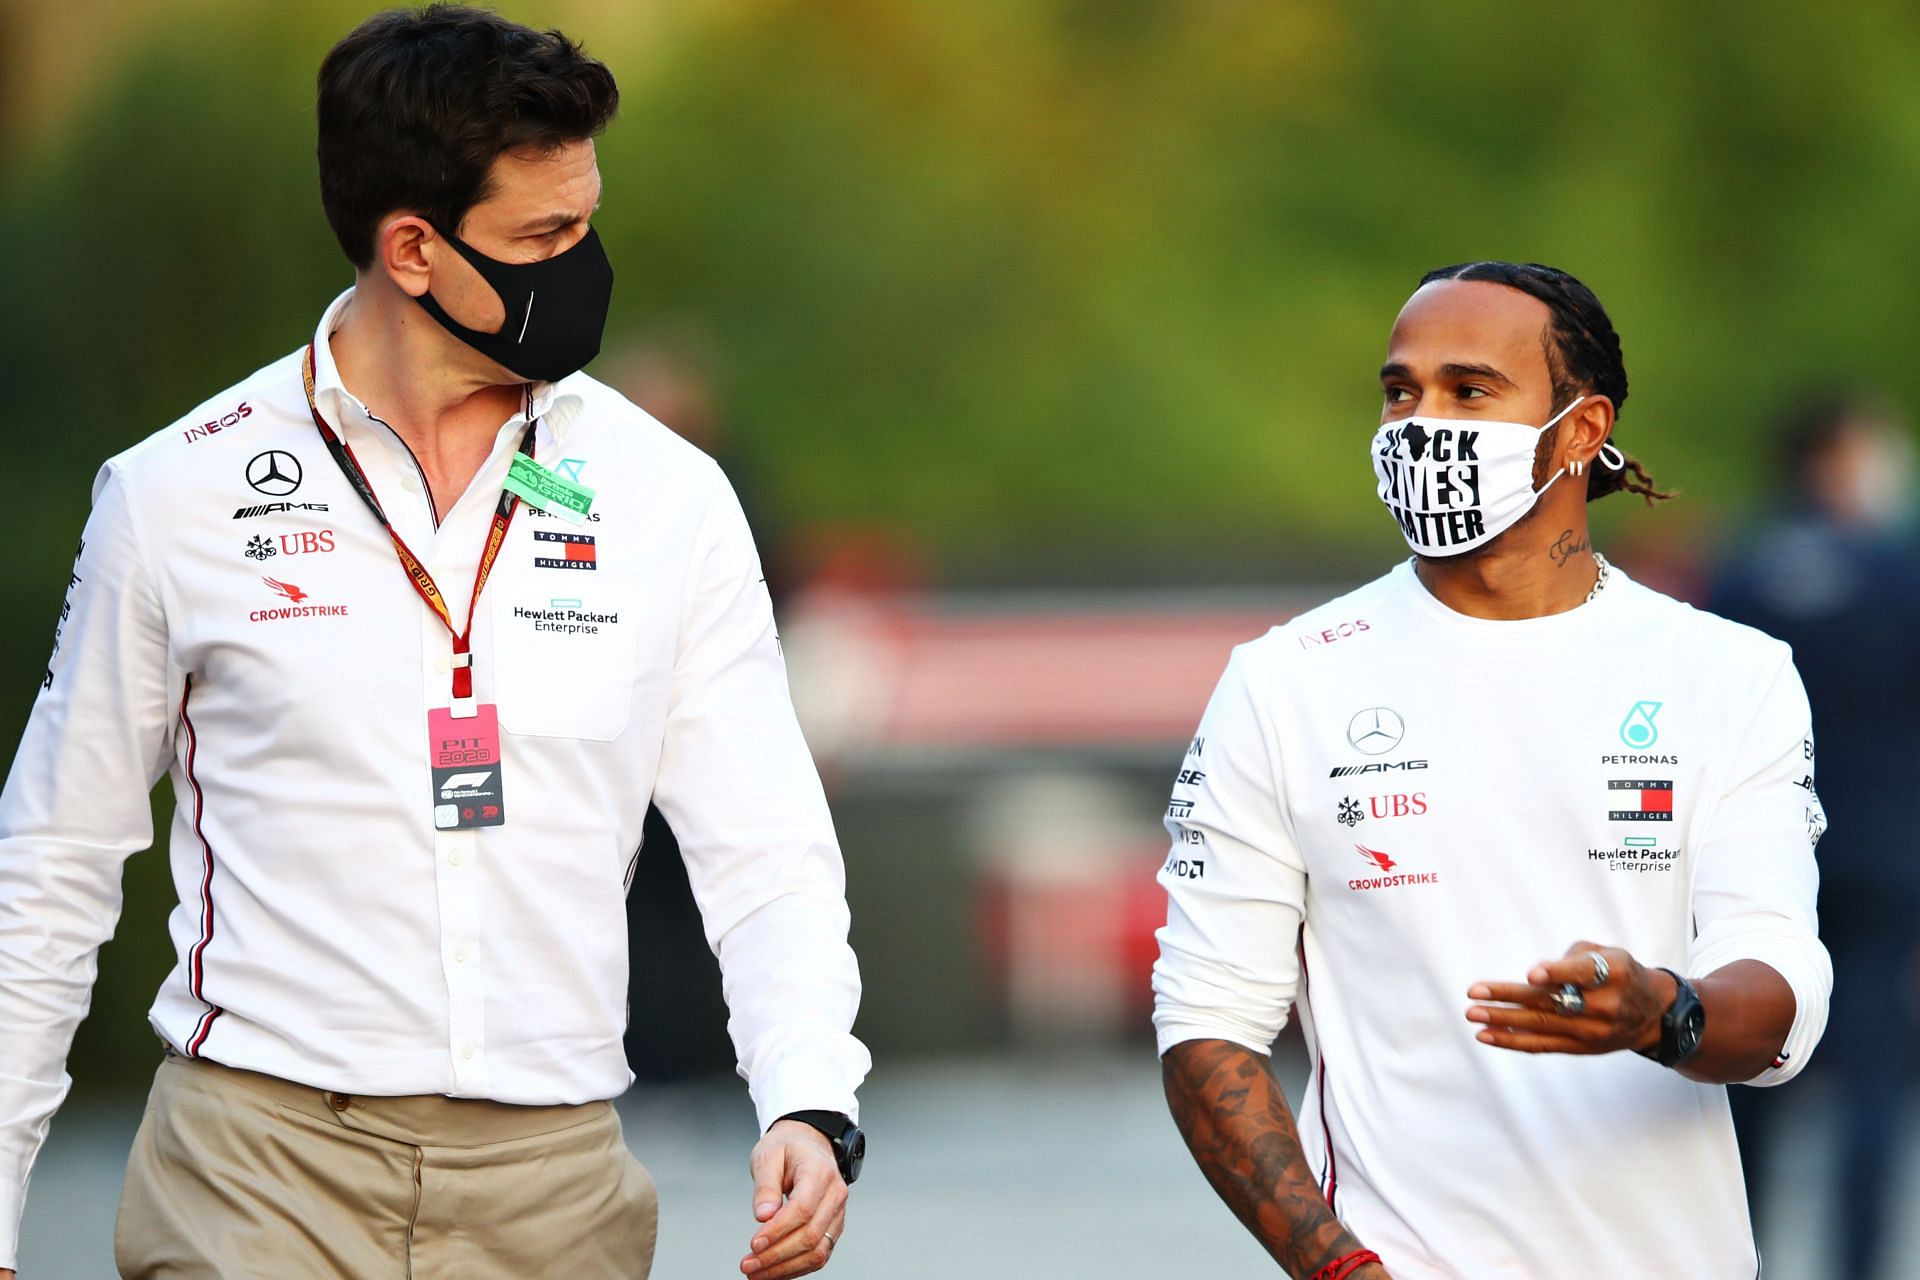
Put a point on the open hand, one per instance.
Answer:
(797, 1239)
(1621, 1013)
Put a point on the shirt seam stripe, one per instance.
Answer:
(196, 958)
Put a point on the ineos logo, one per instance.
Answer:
(275, 473)
(1376, 731)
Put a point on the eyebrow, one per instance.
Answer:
(554, 221)
(1453, 371)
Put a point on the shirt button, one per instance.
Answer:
(466, 1052)
(409, 483)
(454, 859)
(339, 1101)
(460, 955)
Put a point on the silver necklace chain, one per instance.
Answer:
(1601, 581)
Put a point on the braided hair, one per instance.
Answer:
(1583, 354)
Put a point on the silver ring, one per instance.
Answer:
(1570, 1000)
(1601, 969)
(828, 1237)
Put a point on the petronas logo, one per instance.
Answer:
(1638, 730)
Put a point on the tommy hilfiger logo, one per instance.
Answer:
(575, 550)
(1651, 799)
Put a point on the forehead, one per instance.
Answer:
(566, 175)
(1472, 322)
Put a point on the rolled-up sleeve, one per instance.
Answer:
(1755, 881)
(739, 788)
(1229, 967)
(75, 806)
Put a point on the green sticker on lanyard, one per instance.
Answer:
(548, 490)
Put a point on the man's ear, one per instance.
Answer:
(1587, 428)
(402, 247)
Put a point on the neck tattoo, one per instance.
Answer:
(1564, 547)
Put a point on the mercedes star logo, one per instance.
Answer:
(1376, 730)
(275, 473)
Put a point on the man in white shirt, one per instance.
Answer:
(419, 618)
(1502, 825)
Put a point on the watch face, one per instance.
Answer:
(1687, 1034)
(856, 1142)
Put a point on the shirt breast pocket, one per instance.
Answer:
(565, 651)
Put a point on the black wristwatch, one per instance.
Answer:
(849, 1139)
(1681, 1026)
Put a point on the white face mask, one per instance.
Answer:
(1455, 484)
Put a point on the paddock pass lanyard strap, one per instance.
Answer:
(417, 573)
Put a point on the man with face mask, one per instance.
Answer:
(420, 618)
(1528, 845)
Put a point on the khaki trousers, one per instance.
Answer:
(236, 1174)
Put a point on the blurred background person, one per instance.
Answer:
(1832, 570)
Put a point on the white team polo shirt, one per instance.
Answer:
(1389, 801)
(239, 619)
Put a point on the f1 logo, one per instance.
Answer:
(462, 782)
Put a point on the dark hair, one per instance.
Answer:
(415, 105)
(1583, 354)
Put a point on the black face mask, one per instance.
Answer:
(556, 309)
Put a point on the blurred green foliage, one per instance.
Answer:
(1059, 289)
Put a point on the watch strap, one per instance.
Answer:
(837, 1129)
(1685, 1000)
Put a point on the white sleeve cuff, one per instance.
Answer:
(814, 1074)
(1178, 1026)
(13, 1203)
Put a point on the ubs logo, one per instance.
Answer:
(275, 473)
(1376, 731)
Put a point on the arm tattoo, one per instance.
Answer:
(1230, 1110)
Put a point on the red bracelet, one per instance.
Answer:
(1345, 1265)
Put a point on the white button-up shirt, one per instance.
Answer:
(238, 618)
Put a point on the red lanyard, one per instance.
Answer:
(417, 572)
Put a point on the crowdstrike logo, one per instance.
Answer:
(1385, 864)
(296, 606)
(1376, 857)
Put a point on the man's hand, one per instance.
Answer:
(1624, 1012)
(796, 1160)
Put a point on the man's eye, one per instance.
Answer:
(1472, 392)
(1398, 395)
